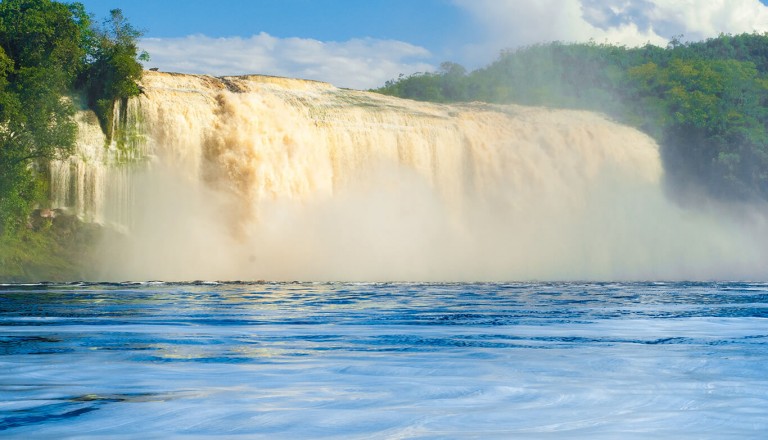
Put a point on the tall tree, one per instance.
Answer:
(114, 69)
(41, 55)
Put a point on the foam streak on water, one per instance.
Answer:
(159, 360)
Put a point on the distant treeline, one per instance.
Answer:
(704, 102)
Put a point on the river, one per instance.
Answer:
(336, 360)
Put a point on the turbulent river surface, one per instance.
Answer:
(335, 360)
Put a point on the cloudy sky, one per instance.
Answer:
(362, 43)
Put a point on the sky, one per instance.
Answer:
(362, 43)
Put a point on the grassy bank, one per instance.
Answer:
(53, 247)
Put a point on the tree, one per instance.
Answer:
(114, 70)
(44, 34)
(711, 118)
(40, 57)
(453, 81)
(48, 48)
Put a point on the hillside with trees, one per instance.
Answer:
(51, 54)
(704, 102)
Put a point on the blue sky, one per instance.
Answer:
(362, 43)
(430, 23)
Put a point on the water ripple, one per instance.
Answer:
(386, 360)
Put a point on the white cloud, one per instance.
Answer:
(357, 63)
(515, 23)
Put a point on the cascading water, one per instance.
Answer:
(270, 178)
(94, 183)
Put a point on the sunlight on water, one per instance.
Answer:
(383, 360)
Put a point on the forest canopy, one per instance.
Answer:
(704, 102)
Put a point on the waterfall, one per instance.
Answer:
(94, 183)
(270, 178)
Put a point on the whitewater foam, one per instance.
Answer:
(271, 178)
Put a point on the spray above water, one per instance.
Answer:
(268, 178)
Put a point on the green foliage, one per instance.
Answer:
(44, 34)
(114, 70)
(51, 249)
(47, 50)
(714, 131)
(40, 57)
(705, 102)
(449, 85)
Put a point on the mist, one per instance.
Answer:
(395, 227)
(291, 180)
